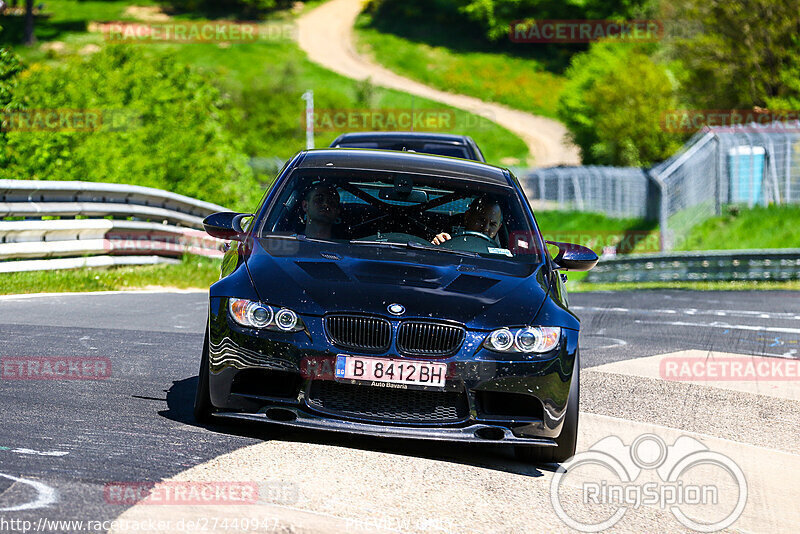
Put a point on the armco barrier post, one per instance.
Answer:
(663, 204)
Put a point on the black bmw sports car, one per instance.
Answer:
(395, 294)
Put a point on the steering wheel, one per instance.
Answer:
(470, 242)
(476, 234)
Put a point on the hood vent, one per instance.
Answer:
(323, 270)
(471, 284)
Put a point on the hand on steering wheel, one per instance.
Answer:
(440, 238)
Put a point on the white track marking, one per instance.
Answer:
(694, 312)
(727, 326)
(93, 293)
(32, 452)
(615, 342)
(45, 495)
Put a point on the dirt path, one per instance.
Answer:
(326, 36)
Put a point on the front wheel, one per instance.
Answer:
(202, 399)
(567, 440)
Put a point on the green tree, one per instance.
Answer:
(744, 53)
(612, 105)
(163, 125)
(10, 67)
(497, 15)
(243, 8)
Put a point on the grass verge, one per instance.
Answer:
(754, 228)
(193, 272)
(518, 82)
(253, 65)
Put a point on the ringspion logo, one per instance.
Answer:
(686, 478)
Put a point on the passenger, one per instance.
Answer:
(483, 215)
(321, 208)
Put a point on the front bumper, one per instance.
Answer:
(264, 376)
(474, 433)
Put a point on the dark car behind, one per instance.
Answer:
(456, 146)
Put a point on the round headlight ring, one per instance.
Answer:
(502, 339)
(527, 339)
(286, 320)
(259, 315)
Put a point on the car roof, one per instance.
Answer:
(410, 162)
(397, 136)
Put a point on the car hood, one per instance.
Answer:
(316, 278)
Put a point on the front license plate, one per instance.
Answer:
(391, 371)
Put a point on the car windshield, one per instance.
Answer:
(369, 208)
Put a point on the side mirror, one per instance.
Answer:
(226, 225)
(574, 257)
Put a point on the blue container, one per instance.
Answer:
(746, 166)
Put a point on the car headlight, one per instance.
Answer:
(257, 315)
(529, 339)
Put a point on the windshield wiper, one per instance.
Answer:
(434, 248)
(416, 246)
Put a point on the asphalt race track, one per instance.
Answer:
(64, 442)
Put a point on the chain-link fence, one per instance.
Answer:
(745, 165)
(615, 191)
(748, 165)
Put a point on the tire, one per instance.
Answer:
(203, 409)
(567, 440)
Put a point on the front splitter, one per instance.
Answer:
(476, 433)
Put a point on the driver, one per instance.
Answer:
(321, 208)
(483, 215)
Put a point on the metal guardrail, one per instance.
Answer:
(118, 225)
(721, 265)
